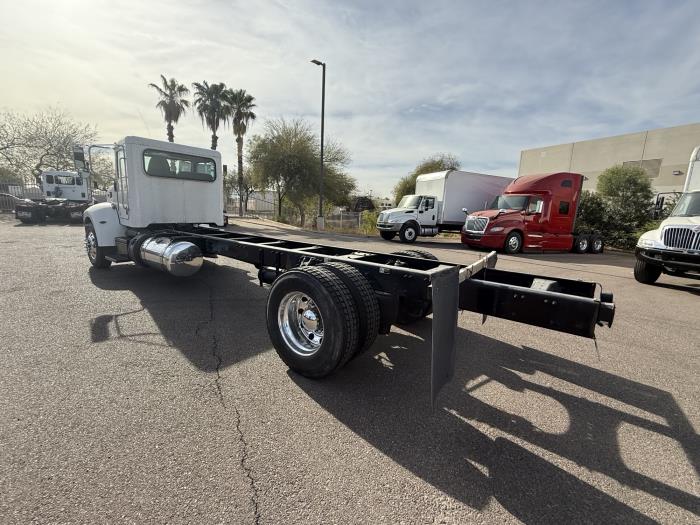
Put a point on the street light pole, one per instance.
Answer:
(319, 220)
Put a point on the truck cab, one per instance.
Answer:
(158, 183)
(674, 247)
(535, 212)
(419, 209)
(65, 185)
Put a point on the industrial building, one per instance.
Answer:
(663, 153)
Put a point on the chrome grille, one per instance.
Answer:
(682, 238)
(476, 224)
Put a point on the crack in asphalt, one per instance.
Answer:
(245, 467)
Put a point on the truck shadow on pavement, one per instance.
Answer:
(385, 400)
(217, 319)
(194, 316)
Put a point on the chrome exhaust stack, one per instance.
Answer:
(179, 258)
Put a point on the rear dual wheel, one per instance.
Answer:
(319, 317)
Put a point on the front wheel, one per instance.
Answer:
(94, 252)
(387, 236)
(646, 273)
(514, 243)
(408, 233)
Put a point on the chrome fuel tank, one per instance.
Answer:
(179, 258)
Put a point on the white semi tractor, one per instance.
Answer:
(439, 204)
(326, 304)
(674, 247)
(66, 195)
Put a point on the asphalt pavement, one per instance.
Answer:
(129, 396)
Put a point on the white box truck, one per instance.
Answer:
(439, 204)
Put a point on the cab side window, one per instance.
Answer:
(535, 205)
(563, 208)
(429, 203)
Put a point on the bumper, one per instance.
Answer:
(669, 259)
(389, 227)
(484, 240)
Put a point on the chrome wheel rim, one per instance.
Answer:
(91, 246)
(300, 323)
(583, 245)
(597, 245)
(410, 234)
(514, 243)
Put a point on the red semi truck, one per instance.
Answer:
(535, 213)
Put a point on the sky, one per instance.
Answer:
(479, 79)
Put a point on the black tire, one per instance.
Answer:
(366, 303)
(387, 236)
(596, 245)
(581, 244)
(332, 301)
(421, 253)
(409, 233)
(513, 243)
(646, 273)
(96, 256)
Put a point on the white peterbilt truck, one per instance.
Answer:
(674, 247)
(326, 304)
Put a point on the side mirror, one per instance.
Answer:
(115, 185)
(465, 211)
(79, 158)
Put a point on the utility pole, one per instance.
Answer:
(319, 220)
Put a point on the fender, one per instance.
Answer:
(105, 220)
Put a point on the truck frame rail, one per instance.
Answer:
(399, 279)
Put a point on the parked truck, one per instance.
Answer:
(534, 213)
(326, 304)
(674, 247)
(66, 195)
(438, 204)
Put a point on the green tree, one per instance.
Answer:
(627, 193)
(592, 214)
(172, 102)
(212, 106)
(432, 164)
(287, 160)
(241, 108)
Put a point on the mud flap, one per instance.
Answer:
(445, 297)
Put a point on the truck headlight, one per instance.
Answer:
(496, 229)
(648, 243)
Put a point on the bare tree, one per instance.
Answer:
(32, 144)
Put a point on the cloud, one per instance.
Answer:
(482, 80)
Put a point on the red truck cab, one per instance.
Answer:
(535, 213)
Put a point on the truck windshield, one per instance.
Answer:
(688, 205)
(410, 201)
(509, 202)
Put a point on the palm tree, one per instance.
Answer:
(241, 106)
(172, 102)
(212, 105)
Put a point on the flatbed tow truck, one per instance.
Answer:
(326, 304)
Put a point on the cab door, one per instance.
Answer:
(534, 224)
(427, 212)
(122, 185)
